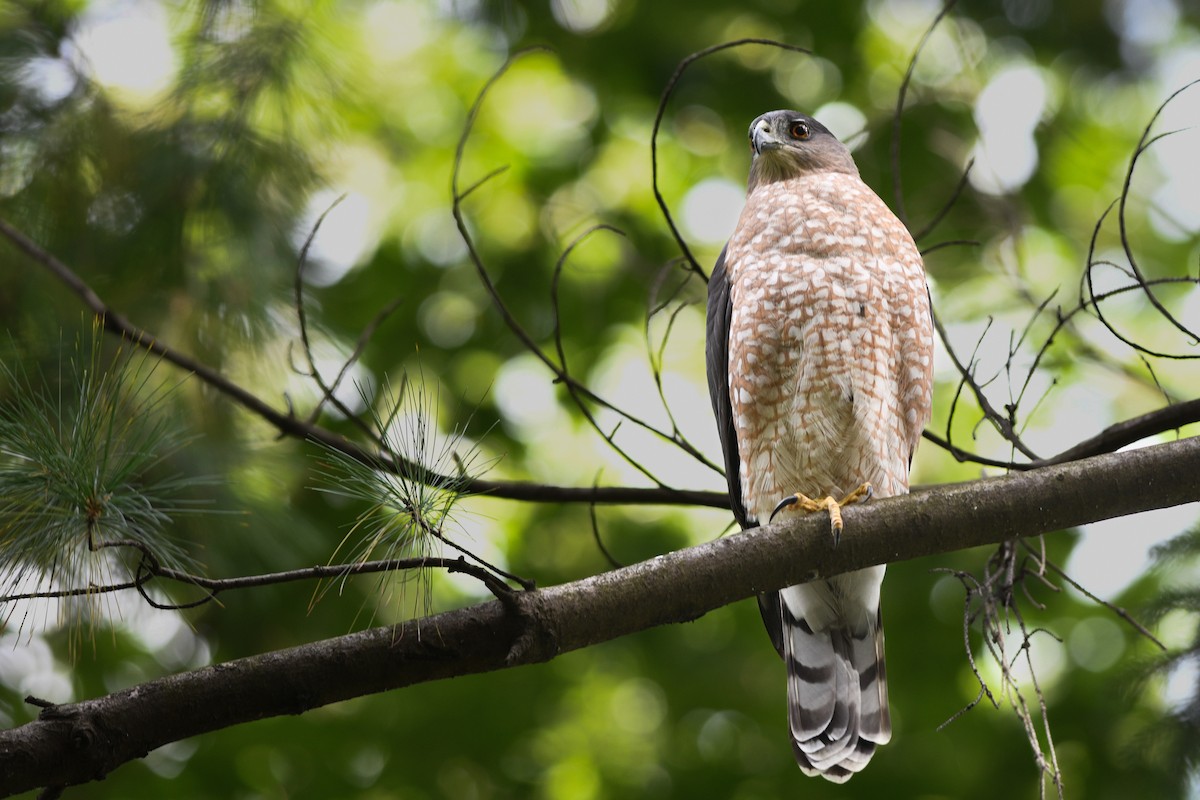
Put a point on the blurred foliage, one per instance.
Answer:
(1175, 607)
(177, 155)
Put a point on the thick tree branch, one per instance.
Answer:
(84, 741)
(1124, 433)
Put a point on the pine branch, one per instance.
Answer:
(84, 741)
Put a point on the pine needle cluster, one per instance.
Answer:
(406, 513)
(85, 494)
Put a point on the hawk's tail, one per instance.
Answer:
(837, 696)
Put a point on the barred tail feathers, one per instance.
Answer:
(837, 691)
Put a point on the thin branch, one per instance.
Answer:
(1002, 424)
(151, 570)
(327, 391)
(967, 456)
(1118, 610)
(945, 209)
(573, 391)
(1144, 143)
(608, 556)
(656, 359)
(300, 429)
(971, 589)
(360, 346)
(298, 280)
(217, 585)
(465, 193)
(950, 243)
(1111, 439)
(510, 321)
(1130, 431)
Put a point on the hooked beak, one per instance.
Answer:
(761, 137)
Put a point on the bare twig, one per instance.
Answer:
(945, 209)
(1002, 423)
(966, 456)
(680, 68)
(608, 556)
(656, 357)
(151, 569)
(328, 390)
(897, 181)
(1127, 432)
(970, 590)
(573, 390)
(949, 243)
(1144, 144)
(1118, 610)
(510, 321)
(991, 599)
(1090, 300)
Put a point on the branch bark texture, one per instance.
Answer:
(83, 741)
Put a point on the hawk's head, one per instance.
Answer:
(788, 144)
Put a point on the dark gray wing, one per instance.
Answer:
(716, 356)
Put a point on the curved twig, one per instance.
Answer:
(950, 243)
(572, 390)
(1144, 144)
(966, 456)
(328, 390)
(1118, 610)
(680, 68)
(1093, 302)
(608, 556)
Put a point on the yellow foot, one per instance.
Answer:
(827, 503)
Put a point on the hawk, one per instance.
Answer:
(819, 348)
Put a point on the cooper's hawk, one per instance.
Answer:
(819, 351)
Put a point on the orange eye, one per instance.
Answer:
(799, 131)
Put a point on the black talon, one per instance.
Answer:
(790, 500)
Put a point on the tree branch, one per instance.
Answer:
(290, 425)
(1124, 433)
(84, 741)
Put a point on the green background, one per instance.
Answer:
(182, 193)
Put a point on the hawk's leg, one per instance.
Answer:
(808, 505)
